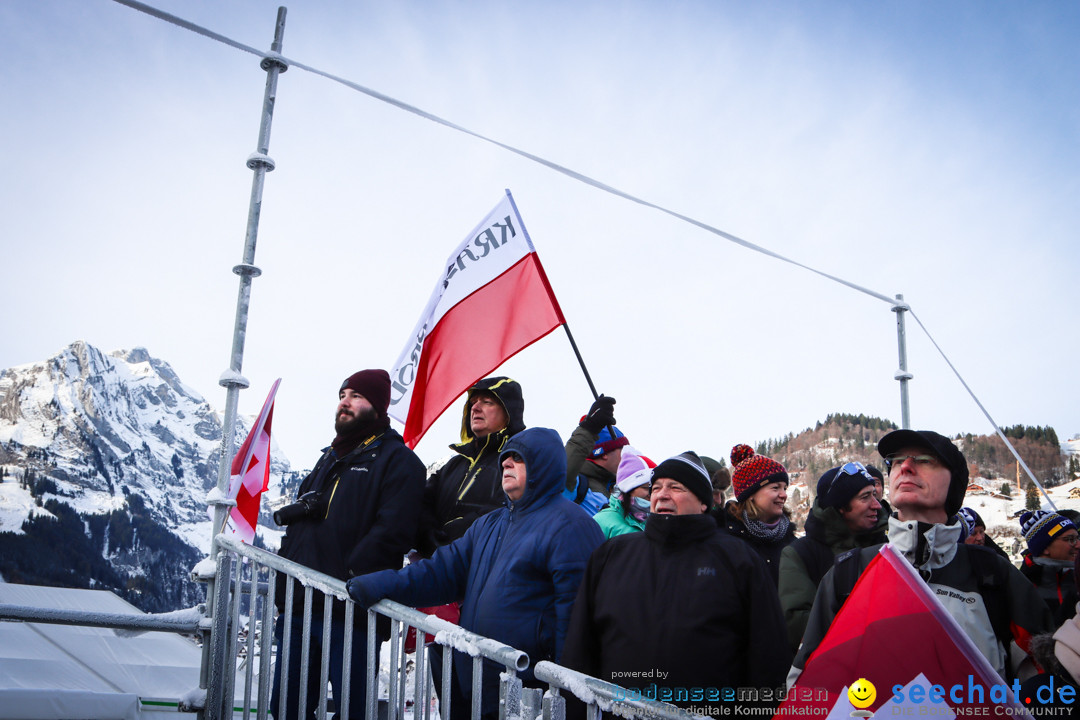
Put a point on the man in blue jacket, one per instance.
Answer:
(515, 571)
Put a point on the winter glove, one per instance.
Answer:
(359, 592)
(600, 415)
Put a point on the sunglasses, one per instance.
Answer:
(851, 468)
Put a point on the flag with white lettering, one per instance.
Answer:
(251, 473)
(894, 632)
(491, 301)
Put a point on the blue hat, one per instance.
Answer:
(1040, 528)
(605, 443)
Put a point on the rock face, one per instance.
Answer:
(105, 464)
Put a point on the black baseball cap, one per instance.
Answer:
(944, 449)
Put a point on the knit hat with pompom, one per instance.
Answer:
(752, 472)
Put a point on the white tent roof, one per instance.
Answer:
(52, 672)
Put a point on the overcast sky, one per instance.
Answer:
(923, 148)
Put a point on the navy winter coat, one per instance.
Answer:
(516, 570)
(371, 503)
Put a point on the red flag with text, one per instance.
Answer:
(250, 473)
(894, 631)
(491, 301)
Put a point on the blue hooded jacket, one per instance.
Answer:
(515, 571)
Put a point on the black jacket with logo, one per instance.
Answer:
(368, 513)
(682, 606)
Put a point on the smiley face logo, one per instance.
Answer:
(862, 693)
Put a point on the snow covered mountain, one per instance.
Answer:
(92, 435)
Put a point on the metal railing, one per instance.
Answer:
(245, 584)
(247, 576)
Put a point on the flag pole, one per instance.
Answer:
(577, 353)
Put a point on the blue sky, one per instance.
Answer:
(921, 148)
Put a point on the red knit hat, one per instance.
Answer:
(374, 385)
(753, 471)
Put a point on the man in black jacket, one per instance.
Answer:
(355, 514)
(470, 483)
(681, 612)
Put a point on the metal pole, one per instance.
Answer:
(902, 374)
(233, 379)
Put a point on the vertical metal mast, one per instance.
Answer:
(260, 163)
(902, 374)
(211, 675)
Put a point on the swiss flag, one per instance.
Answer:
(893, 631)
(491, 301)
(251, 473)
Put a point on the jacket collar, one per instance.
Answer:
(926, 546)
(679, 530)
(474, 447)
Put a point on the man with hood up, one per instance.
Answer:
(469, 484)
(515, 571)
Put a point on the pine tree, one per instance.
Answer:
(1032, 500)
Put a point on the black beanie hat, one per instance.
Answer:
(940, 446)
(374, 385)
(687, 469)
(837, 486)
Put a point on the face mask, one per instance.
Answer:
(639, 508)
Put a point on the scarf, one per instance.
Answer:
(769, 532)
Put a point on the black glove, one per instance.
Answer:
(600, 415)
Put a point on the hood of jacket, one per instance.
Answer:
(545, 466)
(508, 393)
(827, 525)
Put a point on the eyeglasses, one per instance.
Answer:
(926, 461)
(1073, 539)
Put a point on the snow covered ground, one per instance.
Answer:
(998, 513)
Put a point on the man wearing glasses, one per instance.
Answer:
(1052, 546)
(988, 597)
(846, 515)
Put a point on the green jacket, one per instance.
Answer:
(614, 521)
(827, 535)
(578, 449)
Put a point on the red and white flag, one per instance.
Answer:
(491, 301)
(894, 632)
(251, 473)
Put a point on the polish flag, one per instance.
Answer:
(491, 301)
(251, 473)
(894, 632)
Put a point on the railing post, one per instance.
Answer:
(532, 701)
(266, 643)
(554, 705)
(216, 645)
(509, 695)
